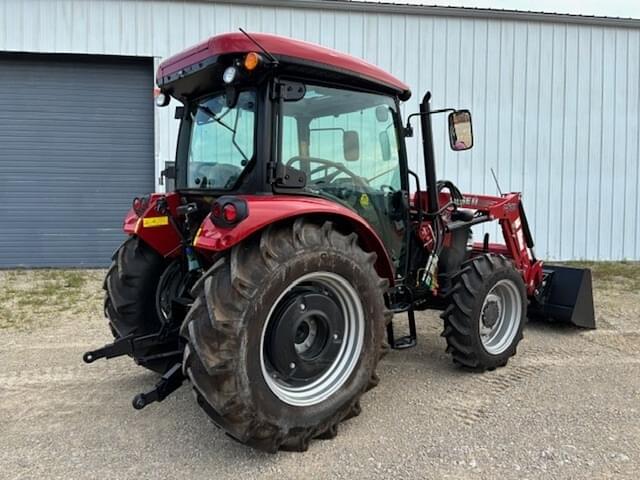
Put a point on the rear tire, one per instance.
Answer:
(483, 323)
(130, 302)
(256, 298)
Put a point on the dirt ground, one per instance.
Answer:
(567, 406)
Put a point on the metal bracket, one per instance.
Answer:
(288, 177)
(169, 383)
(288, 91)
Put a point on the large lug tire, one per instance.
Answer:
(131, 302)
(483, 323)
(277, 302)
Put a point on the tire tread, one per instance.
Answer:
(213, 333)
(458, 329)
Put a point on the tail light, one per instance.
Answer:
(228, 211)
(140, 205)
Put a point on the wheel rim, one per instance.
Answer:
(312, 339)
(500, 317)
(169, 287)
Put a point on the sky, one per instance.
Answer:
(606, 8)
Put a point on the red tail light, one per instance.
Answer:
(140, 205)
(228, 211)
(216, 210)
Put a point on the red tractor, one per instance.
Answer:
(270, 276)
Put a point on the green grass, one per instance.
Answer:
(624, 274)
(37, 297)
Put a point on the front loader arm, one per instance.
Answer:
(518, 241)
(557, 293)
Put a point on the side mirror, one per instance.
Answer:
(385, 145)
(460, 130)
(351, 145)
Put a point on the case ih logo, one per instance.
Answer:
(468, 201)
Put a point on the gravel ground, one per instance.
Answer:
(567, 406)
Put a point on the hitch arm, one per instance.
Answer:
(130, 345)
(168, 383)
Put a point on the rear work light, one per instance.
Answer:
(229, 74)
(228, 211)
(162, 99)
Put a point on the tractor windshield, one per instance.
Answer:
(221, 142)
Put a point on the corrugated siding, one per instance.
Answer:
(76, 145)
(556, 105)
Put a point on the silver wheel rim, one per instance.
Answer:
(349, 353)
(500, 317)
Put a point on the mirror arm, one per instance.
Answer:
(443, 110)
(408, 130)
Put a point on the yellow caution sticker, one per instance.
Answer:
(155, 222)
(364, 200)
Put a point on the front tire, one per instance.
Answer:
(483, 323)
(285, 334)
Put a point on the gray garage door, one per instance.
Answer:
(76, 144)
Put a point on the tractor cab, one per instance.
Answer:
(266, 115)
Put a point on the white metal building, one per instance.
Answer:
(555, 100)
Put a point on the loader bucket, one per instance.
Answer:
(566, 297)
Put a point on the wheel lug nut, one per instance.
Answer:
(292, 365)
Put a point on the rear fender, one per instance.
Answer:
(266, 210)
(154, 228)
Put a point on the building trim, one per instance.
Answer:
(437, 11)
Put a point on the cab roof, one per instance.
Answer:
(288, 52)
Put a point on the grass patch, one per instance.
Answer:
(38, 297)
(34, 298)
(73, 279)
(625, 274)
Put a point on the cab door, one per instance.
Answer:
(347, 144)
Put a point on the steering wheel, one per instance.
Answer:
(326, 164)
(216, 172)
